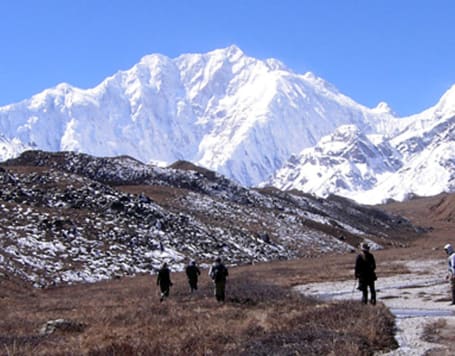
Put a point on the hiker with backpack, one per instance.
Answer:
(365, 266)
(164, 281)
(451, 275)
(218, 272)
(192, 272)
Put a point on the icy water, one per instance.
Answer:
(416, 299)
(402, 313)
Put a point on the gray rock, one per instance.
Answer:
(64, 325)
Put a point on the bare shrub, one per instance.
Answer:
(347, 327)
(431, 331)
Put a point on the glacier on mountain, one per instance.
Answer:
(243, 118)
(343, 163)
(412, 156)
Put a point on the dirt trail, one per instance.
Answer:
(418, 298)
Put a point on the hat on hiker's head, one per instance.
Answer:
(364, 247)
(218, 259)
(448, 248)
(193, 263)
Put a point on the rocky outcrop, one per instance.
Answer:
(68, 218)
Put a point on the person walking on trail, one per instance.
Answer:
(164, 281)
(192, 272)
(218, 272)
(451, 275)
(365, 266)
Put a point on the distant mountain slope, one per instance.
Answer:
(416, 159)
(10, 148)
(343, 163)
(436, 212)
(68, 217)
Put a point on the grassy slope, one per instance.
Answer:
(125, 317)
(261, 315)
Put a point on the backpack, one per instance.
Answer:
(219, 273)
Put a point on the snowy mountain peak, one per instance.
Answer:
(60, 89)
(238, 115)
(344, 163)
(384, 108)
(320, 83)
(229, 54)
(232, 52)
(446, 105)
(149, 66)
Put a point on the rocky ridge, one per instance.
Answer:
(68, 217)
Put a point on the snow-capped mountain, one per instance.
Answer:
(342, 163)
(243, 118)
(410, 156)
(10, 148)
(223, 110)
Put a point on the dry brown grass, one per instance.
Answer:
(440, 332)
(431, 331)
(125, 317)
(261, 315)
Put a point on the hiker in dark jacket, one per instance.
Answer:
(164, 281)
(365, 267)
(192, 272)
(218, 272)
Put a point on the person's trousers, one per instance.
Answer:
(364, 286)
(220, 288)
(452, 287)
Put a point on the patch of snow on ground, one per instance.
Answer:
(417, 299)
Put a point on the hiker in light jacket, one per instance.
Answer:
(365, 267)
(218, 272)
(164, 281)
(451, 275)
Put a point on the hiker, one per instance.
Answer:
(164, 281)
(218, 272)
(192, 272)
(451, 275)
(365, 266)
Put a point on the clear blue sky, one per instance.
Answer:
(398, 51)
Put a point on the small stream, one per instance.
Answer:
(415, 299)
(401, 313)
